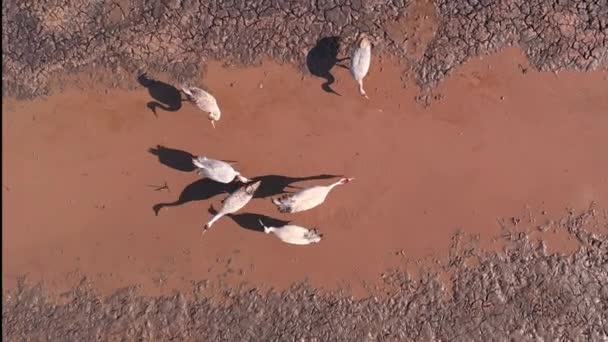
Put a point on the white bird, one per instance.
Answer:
(293, 234)
(234, 202)
(218, 170)
(204, 101)
(307, 198)
(360, 62)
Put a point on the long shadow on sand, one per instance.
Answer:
(167, 97)
(206, 188)
(174, 158)
(273, 185)
(179, 160)
(199, 190)
(251, 221)
(322, 58)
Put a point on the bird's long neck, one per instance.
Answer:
(186, 90)
(215, 218)
(331, 186)
(241, 178)
(267, 230)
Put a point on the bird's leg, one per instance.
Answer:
(340, 60)
(213, 123)
(361, 90)
(342, 66)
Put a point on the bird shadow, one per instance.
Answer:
(202, 189)
(199, 190)
(273, 185)
(177, 159)
(206, 188)
(322, 58)
(251, 221)
(174, 158)
(166, 96)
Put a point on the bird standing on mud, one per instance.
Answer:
(218, 170)
(205, 101)
(293, 234)
(306, 199)
(234, 202)
(360, 62)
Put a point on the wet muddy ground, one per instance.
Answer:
(523, 294)
(103, 210)
(120, 203)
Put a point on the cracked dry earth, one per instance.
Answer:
(42, 39)
(524, 294)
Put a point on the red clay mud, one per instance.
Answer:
(497, 143)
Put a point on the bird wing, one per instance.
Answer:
(308, 193)
(218, 169)
(203, 99)
(360, 63)
(306, 199)
(236, 201)
(217, 166)
(293, 234)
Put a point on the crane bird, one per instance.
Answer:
(234, 202)
(218, 170)
(204, 101)
(360, 62)
(307, 198)
(293, 234)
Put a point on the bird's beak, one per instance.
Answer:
(213, 123)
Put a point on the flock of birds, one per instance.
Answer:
(302, 200)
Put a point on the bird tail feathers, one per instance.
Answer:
(361, 90)
(281, 204)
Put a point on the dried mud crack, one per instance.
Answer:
(524, 294)
(555, 35)
(44, 40)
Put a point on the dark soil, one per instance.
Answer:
(43, 40)
(524, 294)
(555, 35)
